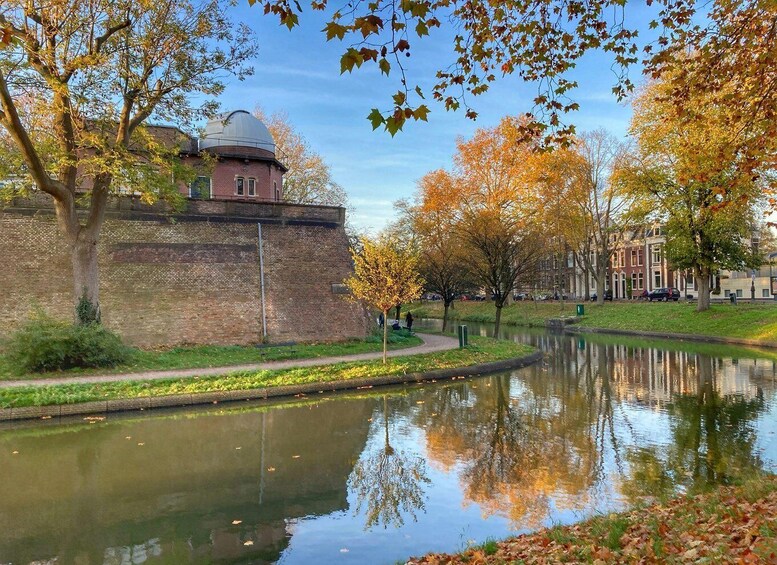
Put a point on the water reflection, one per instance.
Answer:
(389, 483)
(376, 477)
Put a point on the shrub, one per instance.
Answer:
(45, 344)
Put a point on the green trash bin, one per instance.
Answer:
(462, 331)
(580, 309)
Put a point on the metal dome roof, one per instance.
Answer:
(237, 129)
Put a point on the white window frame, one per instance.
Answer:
(251, 186)
(656, 254)
(240, 186)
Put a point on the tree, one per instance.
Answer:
(384, 276)
(604, 212)
(705, 178)
(97, 72)
(309, 178)
(432, 219)
(542, 40)
(498, 215)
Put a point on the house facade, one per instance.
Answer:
(236, 160)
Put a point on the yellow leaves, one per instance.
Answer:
(350, 59)
(384, 274)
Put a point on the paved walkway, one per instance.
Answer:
(431, 343)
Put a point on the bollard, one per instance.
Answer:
(580, 310)
(462, 331)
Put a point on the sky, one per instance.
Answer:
(297, 72)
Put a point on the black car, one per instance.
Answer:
(607, 295)
(664, 294)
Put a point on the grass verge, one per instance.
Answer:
(728, 525)
(480, 350)
(205, 356)
(744, 321)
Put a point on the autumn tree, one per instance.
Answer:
(599, 214)
(498, 212)
(705, 178)
(543, 40)
(96, 73)
(309, 178)
(432, 218)
(384, 275)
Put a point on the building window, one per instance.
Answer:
(639, 257)
(633, 257)
(634, 281)
(656, 279)
(727, 293)
(239, 186)
(622, 255)
(277, 192)
(251, 187)
(656, 254)
(739, 293)
(657, 231)
(200, 188)
(765, 292)
(640, 281)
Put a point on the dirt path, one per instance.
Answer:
(431, 344)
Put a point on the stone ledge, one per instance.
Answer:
(183, 400)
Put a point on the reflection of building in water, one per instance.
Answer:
(169, 488)
(656, 376)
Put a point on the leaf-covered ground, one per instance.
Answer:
(730, 525)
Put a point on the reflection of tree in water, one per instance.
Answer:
(713, 442)
(520, 449)
(388, 483)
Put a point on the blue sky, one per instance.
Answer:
(298, 72)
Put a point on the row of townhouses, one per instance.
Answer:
(639, 265)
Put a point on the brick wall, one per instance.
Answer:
(192, 277)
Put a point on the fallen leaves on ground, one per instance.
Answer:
(730, 525)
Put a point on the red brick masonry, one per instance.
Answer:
(191, 277)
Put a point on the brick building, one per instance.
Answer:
(244, 163)
(237, 266)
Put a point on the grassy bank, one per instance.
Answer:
(729, 525)
(197, 357)
(481, 350)
(743, 321)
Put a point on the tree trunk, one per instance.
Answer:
(703, 283)
(587, 286)
(445, 316)
(86, 281)
(600, 290)
(385, 335)
(497, 320)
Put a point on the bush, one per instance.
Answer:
(45, 344)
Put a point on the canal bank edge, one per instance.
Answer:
(575, 329)
(201, 398)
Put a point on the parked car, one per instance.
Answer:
(607, 295)
(664, 294)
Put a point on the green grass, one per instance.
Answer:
(744, 321)
(481, 350)
(198, 357)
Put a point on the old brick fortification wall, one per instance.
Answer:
(191, 277)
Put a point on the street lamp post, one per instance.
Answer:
(752, 288)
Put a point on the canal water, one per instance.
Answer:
(375, 476)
